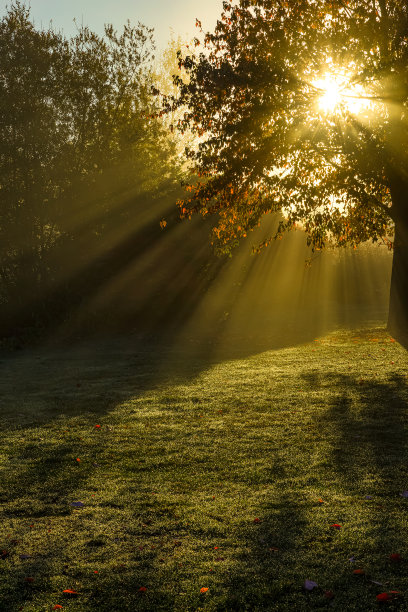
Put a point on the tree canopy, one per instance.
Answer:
(81, 159)
(299, 107)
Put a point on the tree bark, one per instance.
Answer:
(398, 307)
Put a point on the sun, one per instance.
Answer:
(330, 93)
(336, 90)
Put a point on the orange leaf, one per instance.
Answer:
(359, 572)
(142, 590)
(203, 589)
(70, 593)
(335, 526)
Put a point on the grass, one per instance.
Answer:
(204, 473)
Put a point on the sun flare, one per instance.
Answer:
(330, 95)
(334, 91)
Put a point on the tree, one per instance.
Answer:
(301, 108)
(82, 161)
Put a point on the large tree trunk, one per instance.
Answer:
(398, 310)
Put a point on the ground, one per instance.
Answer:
(156, 478)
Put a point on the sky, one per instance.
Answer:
(163, 15)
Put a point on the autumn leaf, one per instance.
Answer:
(142, 590)
(359, 572)
(335, 526)
(97, 426)
(70, 593)
(257, 520)
(396, 557)
(203, 589)
(388, 596)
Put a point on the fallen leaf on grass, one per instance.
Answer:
(310, 585)
(203, 589)
(70, 593)
(273, 549)
(388, 596)
(335, 526)
(142, 590)
(359, 572)
(396, 557)
(97, 426)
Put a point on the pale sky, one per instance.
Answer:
(179, 15)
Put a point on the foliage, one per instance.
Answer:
(252, 95)
(79, 153)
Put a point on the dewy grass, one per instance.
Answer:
(209, 485)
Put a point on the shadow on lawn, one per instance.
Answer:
(366, 454)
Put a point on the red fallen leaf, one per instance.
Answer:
(329, 594)
(257, 520)
(273, 549)
(97, 426)
(320, 500)
(359, 572)
(388, 596)
(96, 572)
(29, 579)
(203, 589)
(142, 590)
(78, 459)
(70, 593)
(395, 557)
(335, 526)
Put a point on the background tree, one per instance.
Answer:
(83, 163)
(301, 108)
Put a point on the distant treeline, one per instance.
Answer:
(85, 174)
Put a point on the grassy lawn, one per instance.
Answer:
(197, 473)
